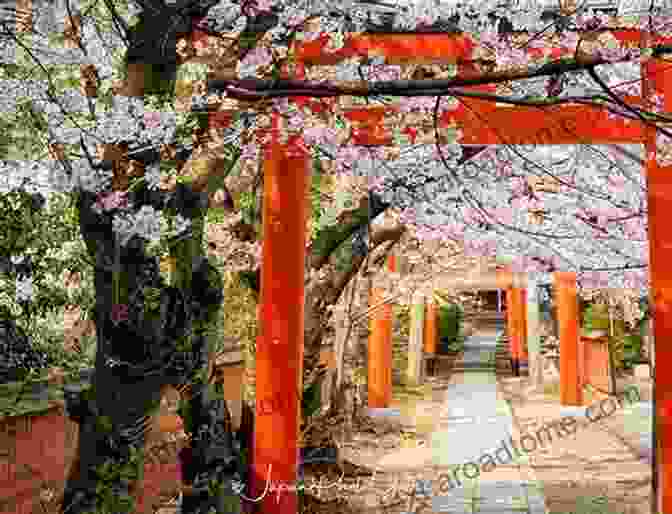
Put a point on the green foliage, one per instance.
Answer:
(626, 348)
(216, 216)
(17, 133)
(51, 238)
(591, 505)
(184, 411)
(316, 208)
(311, 400)
(110, 502)
(248, 206)
(20, 223)
(344, 256)
(451, 317)
(596, 317)
(632, 350)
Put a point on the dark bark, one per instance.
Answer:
(114, 412)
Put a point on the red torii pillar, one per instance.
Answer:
(523, 316)
(568, 321)
(279, 352)
(517, 320)
(380, 348)
(504, 278)
(511, 327)
(431, 334)
(657, 77)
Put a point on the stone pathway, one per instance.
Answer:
(473, 470)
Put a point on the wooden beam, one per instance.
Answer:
(482, 122)
(421, 48)
(396, 48)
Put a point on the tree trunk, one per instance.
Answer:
(157, 345)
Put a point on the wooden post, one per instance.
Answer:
(341, 322)
(516, 323)
(510, 328)
(533, 339)
(568, 321)
(657, 79)
(279, 350)
(518, 326)
(431, 333)
(380, 348)
(414, 372)
(524, 353)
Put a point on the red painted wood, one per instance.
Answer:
(483, 122)
(445, 48)
(594, 362)
(510, 322)
(431, 333)
(438, 47)
(523, 315)
(568, 321)
(658, 77)
(380, 348)
(278, 356)
(518, 322)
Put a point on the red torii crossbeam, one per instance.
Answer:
(280, 348)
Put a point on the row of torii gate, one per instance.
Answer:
(521, 305)
(280, 345)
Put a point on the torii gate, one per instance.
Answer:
(279, 350)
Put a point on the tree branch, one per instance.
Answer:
(380, 237)
(330, 238)
(256, 89)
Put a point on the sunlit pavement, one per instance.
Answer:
(475, 422)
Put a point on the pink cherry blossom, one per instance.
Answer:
(264, 5)
(152, 119)
(111, 200)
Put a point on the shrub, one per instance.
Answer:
(450, 326)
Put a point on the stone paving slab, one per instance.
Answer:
(485, 497)
(475, 439)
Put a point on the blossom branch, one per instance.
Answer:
(255, 89)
